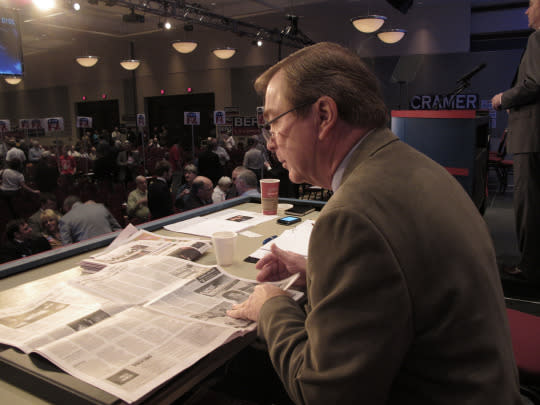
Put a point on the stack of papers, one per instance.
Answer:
(294, 240)
(142, 243)
(227, 220)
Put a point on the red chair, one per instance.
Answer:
(525, 331)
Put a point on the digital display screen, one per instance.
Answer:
(10, 44)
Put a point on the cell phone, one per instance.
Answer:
(288, 220)
(299, 210)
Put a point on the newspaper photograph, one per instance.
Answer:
(144, 243)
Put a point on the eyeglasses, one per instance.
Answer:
(267, 133)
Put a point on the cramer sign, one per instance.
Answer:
(440, 102)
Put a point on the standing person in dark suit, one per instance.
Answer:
(160, 200)
(523, 103)
(404, 301)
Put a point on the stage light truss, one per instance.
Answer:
(194, 14)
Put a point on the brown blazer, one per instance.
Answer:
(523, 101)
(404, 298)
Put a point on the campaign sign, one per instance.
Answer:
(4, 126)
(36, 123)
(24, 123)
(219, 118)
(192, 118)
(84, 122)
(141, 120)
(54, 124)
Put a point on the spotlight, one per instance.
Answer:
(76, 6)
(168, 25)
(259, 43)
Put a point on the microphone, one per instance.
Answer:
(471, 73)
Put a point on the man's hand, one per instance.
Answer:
(496, 101)
(281, 264)
(250, 308)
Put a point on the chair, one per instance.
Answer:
(503, 167)
(525, 332)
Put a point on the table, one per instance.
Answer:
(33, 380)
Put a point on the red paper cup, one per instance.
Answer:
(269, 196)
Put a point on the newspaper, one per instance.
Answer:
(135, 324)
(294, 240)
(226, 220)
(142, 243)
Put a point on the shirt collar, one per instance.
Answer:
(338, 175)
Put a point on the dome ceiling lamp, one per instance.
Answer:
(13, 80)
(224, 53)
(184, 46)
(130, 64)
(391, 36)
(87, 61)
(369, 23)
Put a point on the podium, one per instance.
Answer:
(456, 139)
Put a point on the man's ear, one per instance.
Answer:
(327, 114)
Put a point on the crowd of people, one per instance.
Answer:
(157, 180)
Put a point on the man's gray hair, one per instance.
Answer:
(248, 178)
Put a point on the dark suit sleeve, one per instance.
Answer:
(352, 342)
(527, 89)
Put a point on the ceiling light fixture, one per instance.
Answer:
(391, 36)
(368, 23)
(13, 80)
(44, 4)
(130, 64)
(87, 61)
(185, 46)
(224, 53)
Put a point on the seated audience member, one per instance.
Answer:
(11, 182)
(190, 172)
(84, 221)
(201, 193)
(247, 183)
(137, 203)
(233, 192)
(21, 242)
(159, 194)
(47, 201)
(220, 191)
(49, 228)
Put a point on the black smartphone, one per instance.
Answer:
(299, 210)
(288, 220)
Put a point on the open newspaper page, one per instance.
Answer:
(140, 280)
(51, 316)
(144, 243)
(132, 353)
